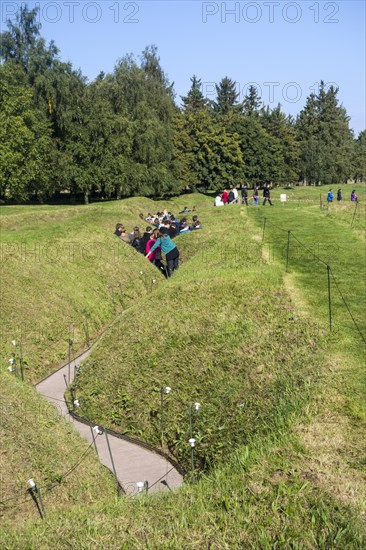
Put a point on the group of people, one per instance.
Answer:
(232, 196)
(176, 226)
(157, 239)
(354, 197)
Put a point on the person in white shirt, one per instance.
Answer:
(218, 201)
(236, 195)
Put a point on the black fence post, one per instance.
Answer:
(69, 359)
(21, 364)
(112, 461)
(90, 425)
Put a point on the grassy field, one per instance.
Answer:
(279, 460)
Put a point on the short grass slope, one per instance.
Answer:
(64, 276)
(322, 241)
(36, 442)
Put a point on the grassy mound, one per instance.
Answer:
(261, 498)
(64, 275)
(222, 332)
(36, 442)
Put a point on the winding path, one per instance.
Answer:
(133, 463)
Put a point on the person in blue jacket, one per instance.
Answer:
(330, 196)
(169, 248)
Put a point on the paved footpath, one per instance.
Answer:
(132, 462)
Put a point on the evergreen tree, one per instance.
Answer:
(252, 102)
(261, 152)
(359, 157)
(227, 97)
(281, 128)
(143, 96)
(210, 156)
(194, 100)
(325, 139)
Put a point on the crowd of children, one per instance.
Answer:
(232, 196)
(158, 237)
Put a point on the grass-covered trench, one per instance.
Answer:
(65, 276)
(222, 332)
(279, 459)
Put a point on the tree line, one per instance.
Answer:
(123, 134)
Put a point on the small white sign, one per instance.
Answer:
(283, 197)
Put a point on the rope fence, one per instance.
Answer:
(31, 495)
(330, 274)
(48, 489)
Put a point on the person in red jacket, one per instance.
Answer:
(155, 257)
(225, 197)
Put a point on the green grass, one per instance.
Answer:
(320, 238)
(222, 332)
(280, 455)
(64, 274)
(37, 443)
(258, 500)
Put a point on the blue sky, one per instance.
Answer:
(284, 48)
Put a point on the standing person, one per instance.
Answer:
(267, 195)
(231, 197)
(150, 243)
(353, 196)
(224, 197)
(330, 196)
(244, 195)
(339, 195)
(255, 196)
(155, 257)
(236, 195)
(169, 248)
